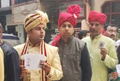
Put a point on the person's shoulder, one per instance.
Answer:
(118, 41)
(79, 43)
(78, 40)
(6, 46)
(107, 38)
(8, 49)
(19, 46)
(51, 47)
(86, 38)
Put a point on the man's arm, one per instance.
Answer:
(13, 66)
(85, 65)
(111, 57)
(56, 72)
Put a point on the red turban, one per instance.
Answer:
(97, 16)
(71, 15)
(73, 12)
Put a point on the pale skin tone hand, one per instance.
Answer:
(24, 71)
(45, 66)
(103, 53)
(114, 75)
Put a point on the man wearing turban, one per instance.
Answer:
(73, 52)
(101, 48)
(35, 25)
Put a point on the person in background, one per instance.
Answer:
(51, 69)
(73, 52)
(101, 48)
(83, 33)
(110, 31)
(11, 60)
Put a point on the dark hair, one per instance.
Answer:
(82, 33)
(108, 24)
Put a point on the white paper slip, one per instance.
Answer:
(32, 61)
(118, 69)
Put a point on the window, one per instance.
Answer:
(112, 10)
(22, 1)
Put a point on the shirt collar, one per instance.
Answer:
(96, 37)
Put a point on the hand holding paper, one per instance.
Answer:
(45, 66)
(32, 61)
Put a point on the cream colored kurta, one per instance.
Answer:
(99, 67)
(52, 58)
(1, 66)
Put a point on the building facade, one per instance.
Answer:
(13, 12)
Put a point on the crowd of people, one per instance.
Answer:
(91, 57)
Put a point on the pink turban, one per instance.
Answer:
(73, 12)
(97, 16)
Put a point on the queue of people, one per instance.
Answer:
(68, 58)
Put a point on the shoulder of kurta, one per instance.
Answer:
(51, 47)
(19, 48)
(86, 39)
(107, 39)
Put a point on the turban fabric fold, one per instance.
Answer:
(97, 16)
(73, 12)
(33, 20)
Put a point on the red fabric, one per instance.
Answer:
(56, 40)
(69, 15)
(103, 31)
(97, 16)
(73, 12)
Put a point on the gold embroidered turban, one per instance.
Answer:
(33, 20)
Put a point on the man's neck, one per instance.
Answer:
(34, 42)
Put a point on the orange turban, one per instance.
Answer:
(33, 20)
(97, 16)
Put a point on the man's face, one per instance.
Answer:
(95, 28)
(37, 34)
(111, 32)
(66, 30)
